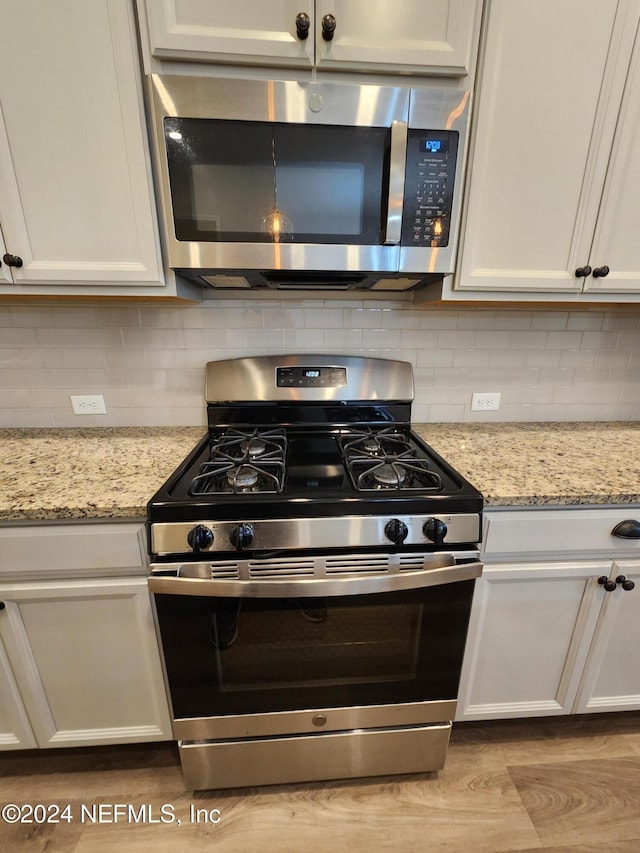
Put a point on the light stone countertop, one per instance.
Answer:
(56, 474)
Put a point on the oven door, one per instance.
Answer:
(275, 656)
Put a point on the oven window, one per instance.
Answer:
(234, 656)
(267, 182)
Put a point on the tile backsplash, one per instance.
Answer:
(147, 360)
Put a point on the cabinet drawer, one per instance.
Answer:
(67, 551)
(556, 531)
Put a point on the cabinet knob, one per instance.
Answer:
(625, 583)
(583, 272)
(608, 585)
(627, 529)
(328, 27)
(2, 605)
(601, 272)
(302, 25)
(12, 260)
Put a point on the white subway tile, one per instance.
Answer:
(442, 413)
(566, 340)
(549, 320)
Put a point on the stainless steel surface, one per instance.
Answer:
(342, 755)
(289, 101)
(307, 587)
(278, 101)
(302, 722)
(241, 379)
(346, 531)
(396, 182)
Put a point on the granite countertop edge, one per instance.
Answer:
(64, 475)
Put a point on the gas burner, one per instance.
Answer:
(244, 477)
(376, 443)
(254, 446)
(389, 474)
(230, 478)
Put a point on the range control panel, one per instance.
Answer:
(428, 191)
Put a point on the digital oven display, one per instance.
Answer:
(311, 377)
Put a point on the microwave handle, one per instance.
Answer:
(396, 182)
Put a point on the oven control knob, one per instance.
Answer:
(435, 529)
(200, 538)
(396, 531)
(241, 537)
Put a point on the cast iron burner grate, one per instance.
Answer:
(243, 461)
(386, 459)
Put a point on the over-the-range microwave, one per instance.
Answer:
(295, 185)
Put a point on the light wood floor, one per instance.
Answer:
(562, 785)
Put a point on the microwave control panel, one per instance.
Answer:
(428, 191)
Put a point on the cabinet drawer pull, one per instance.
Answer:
(625, 583)
(608, 585)
(2, 605)
(601, 272)
(12, 260)
(627, 529)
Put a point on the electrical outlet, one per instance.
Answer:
(485, 401)
(88, 404)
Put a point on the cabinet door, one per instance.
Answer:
(616, 242)
(421, 36)
(551, 83)
(76, 202)
(255, 33)
(86, 661)
(529, 635)
(611, 679)
(15, 731)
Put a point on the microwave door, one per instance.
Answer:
(277, 175)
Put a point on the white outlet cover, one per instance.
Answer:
(485, 401)
(88, 404)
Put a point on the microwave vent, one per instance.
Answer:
(227, 281)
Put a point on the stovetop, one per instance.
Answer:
(307, 472)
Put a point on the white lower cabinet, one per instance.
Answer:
(611, 678)
(79, 657)
(15, 729)
(545, 635)
(85, 661)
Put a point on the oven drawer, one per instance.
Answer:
(342, 755)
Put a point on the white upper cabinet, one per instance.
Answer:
(252, 33)
(76, 198)
(554, 182)
(420, 36)
(615, 245)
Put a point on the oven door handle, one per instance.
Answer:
(397, 167)
(314, 587)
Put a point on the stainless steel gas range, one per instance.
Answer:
(313, 566)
